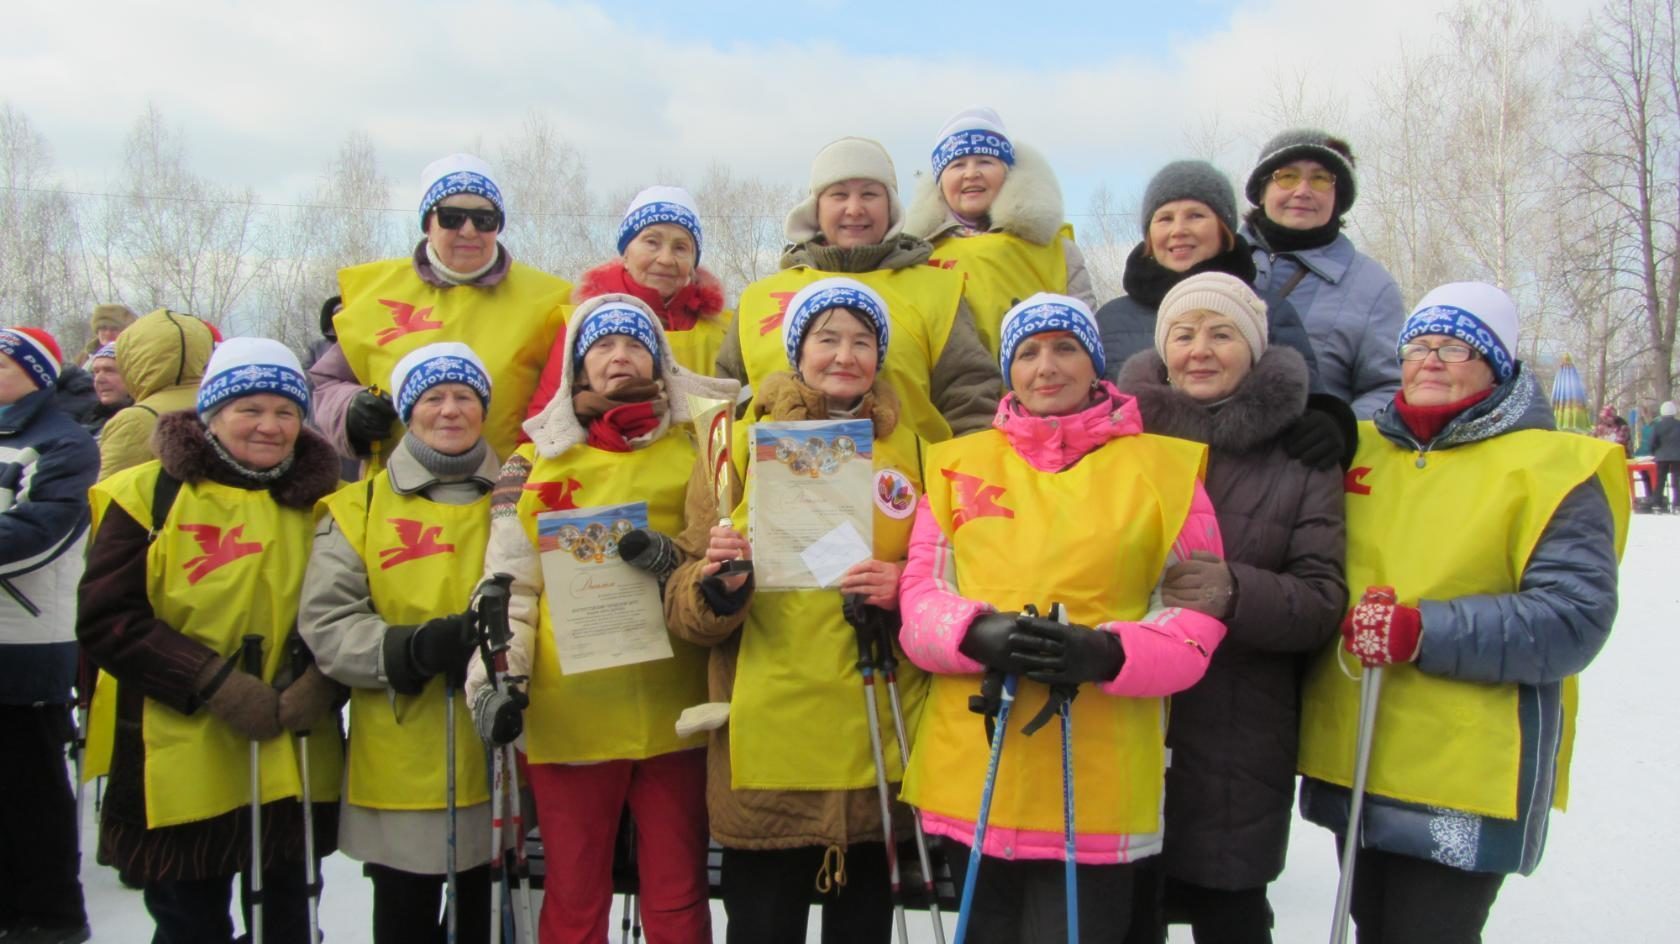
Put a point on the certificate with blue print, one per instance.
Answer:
(602, 612)
(810, 501)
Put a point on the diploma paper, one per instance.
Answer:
(603, 612)
(807, 480)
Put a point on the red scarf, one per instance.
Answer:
(678, 314)
(1426, 422)
(614, 429)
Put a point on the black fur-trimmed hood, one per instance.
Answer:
(182, 443)
(1271, 398)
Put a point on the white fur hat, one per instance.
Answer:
(556, 428)
(845, 159)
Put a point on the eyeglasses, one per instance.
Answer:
(1289, 178)
(485, 221)
(1448, 353)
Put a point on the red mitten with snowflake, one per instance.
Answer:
(1380, 631)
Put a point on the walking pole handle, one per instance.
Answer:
(250, 654)
(301, 660)
(851, 607)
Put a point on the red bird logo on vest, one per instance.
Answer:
(218, 549)
(418, 541)
(942, 263)
(1354, 482)
(555, 496)
(772, 322)
(975, 499)
(409, 321)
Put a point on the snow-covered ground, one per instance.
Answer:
(1612, 866)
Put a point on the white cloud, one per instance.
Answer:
(267, 91)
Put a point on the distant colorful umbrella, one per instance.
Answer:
(1569, 399)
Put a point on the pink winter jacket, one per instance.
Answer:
(1166, 651)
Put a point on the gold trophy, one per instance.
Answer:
(714, 432)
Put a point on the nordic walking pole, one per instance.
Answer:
(491, 619)
(251, 656)
(995, 684)
(521, 863)
(449, 867)
(1370, 690)
(888, 669)
(498, 862)
(1070, 869)
(301, 660)
(852, 608)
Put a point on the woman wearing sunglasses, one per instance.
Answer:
(1483, 547)
(1301, 188)
(460, 284)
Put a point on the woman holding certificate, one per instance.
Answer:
(1064, 501)
(393, 565)
(792, 780)
(606, 682)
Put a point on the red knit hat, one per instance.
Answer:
(35, 350)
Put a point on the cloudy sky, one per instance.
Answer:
(657, 91)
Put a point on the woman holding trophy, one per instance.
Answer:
(796, 813)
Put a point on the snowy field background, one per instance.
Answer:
(1610, 872)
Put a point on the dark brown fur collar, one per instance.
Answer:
(1267, 402)
(183, 445)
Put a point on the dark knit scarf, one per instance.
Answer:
(634, 410)
(1426, 422)
(1147, 281)
(856, 259)
(1283, 239)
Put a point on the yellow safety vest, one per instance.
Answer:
(389, 311)
(1000, 269)
(423, 559)
(921, 307)
(228, 562)
(629, 712)
(697, 348)
(1464, 523)
(1096, 537)
(796, 719)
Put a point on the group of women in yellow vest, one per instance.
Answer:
(1114, 545)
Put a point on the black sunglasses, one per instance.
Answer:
(485, 221)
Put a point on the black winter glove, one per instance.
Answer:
(442, 646)
(1326, 434)
(987, 641)
(1314, 440)
(368, 420)
(1066, 654)
(648, 550)
(413, 654)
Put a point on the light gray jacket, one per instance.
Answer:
(1353, 313)
(347, 635)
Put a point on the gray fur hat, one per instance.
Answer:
(1306, 144)
(1191, 180)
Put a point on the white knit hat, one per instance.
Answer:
(453, 174)
(976, 129)
(556, 429)
(1219, 293)
(241, 367)
(427, 366)
(845, 159)
(660, 205)
(1479, 314)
